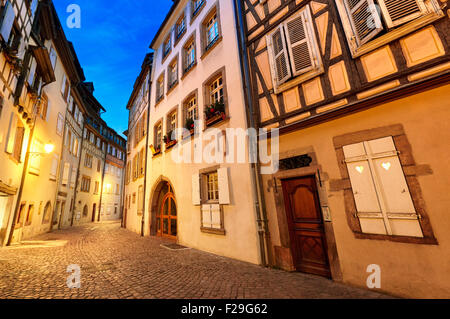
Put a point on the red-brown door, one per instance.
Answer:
(306, 227)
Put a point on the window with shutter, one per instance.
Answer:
(281, 71)
(35, 158)
(384, 204)
(301, 42)
(18, 143)
(54, 167)
(224, 189)
(364, 19)
(196, 200)
(11, 134)
(60, 125)
(398, 12)
(66, 174)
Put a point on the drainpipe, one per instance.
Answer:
(258, 193)
(75, 192)
(146, 156)
(101, 187)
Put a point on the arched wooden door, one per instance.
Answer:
(166, 220)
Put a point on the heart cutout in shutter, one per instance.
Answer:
(386, 166)
(360, 169)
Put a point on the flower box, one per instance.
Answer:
(155, 151)
(217, 117)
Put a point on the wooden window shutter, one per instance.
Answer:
(63, 87)
(364, 19)
(54, 167)
(32, 72)
(18, 143)
(8, 21)
(11, 134)
(303, 51)
(398, 12)
(196, 199)
(278, 57)
(224, 190)
(66, 174)
(206, 216)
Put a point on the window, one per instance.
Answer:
(140, 205)
(60, 125)
(189, 57)
(293, 49)
(212, 186)
(14, 37)
(66, 174)
(85, 184)
(20, 215)
(53, 56)
(73, 177)
(215, 103)
(363, 20)
(117, 189)
(43, 107)
(8, 15)
(75, 149)
(180, 27)
(210, 190)
(99, 165)
(197, 5)
(96, 187)
(383, 201)
(190, 112)
(160, 88)
(167, 46)
(212, 31)
(65, 89)
(134, 198)
(88, 161)
(54, 167)
(172, 74)
(158, 136)
(35, 158)
(47, 213)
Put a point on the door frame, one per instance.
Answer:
(282, 256)
(289, 216)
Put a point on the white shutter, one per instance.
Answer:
(11, 134)
(398, 12)
(303, 51)
(8, 21)
(196, 200)
(35, 159)
(66, 174)
(206, 216)
(73, 177)
(216, 217)
(364, 19)
(278, 57)
(54, 167)
(60, 124)
(224, 189)
(32, 71)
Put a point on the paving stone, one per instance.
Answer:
(116, 263)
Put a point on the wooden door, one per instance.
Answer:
(306, 227)
(166, 220)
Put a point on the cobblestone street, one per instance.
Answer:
(116, 263)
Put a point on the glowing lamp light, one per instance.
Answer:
(49, 148)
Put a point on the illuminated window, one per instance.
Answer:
(212, 184)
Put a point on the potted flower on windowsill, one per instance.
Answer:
(190, 125)
(168, 140)
(215, 113)
(155, 151)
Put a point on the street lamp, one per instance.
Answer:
(49, 148)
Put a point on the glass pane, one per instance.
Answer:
(158, 224)
(166, 226)
(166, 208)
(173, 208)
(173, 227)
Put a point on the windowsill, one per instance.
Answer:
(211, 48)
(170, 89)
(165, 56)
(397, 33)
(216, 121)
(185, 73)
(170, 144)
(160, 99)
(157, 153)
(213, 231)
(398, 239)
(298, 80)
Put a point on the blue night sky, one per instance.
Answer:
(111, 45)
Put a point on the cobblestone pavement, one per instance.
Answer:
(116, 263)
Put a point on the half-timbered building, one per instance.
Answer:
(359, 91)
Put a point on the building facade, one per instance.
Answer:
(196, 95)
(44, 104)
(137, 148)
(359, 91)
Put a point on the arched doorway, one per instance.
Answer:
(164, 211)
